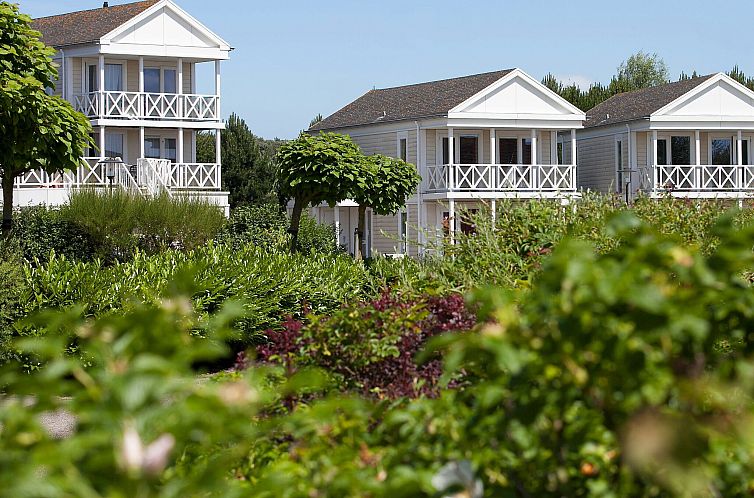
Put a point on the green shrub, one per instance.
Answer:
(40, 230)
(267, 225)
(119, 223)
(11, 294)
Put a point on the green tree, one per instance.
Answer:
(389, 183)
(248, 168)
(313, 169)
(38, 130)
(316, 119)
(642, 70)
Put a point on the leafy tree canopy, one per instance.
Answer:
(38, 130)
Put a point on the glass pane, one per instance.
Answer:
(680, 150)
(467, 152)
(619, 165)
(445, 151)
(113, 145)
(170, 149)
(745, 152)
(526, 151)
(403, 149)
(92, 79)
(152, 80)
(508, 151)
(152, 148)
(721, 148)
(113, 78)
(170, 81)
(662, 152)
(560, 153)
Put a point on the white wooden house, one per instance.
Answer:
(691, 138)
(474, 139)
(131, 69)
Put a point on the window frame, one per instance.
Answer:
(402, 135)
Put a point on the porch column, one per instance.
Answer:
(141, 142)
(633, 162)
(336, 211)
(697, 160)
(101, 85)
(534, 146)
(494, 211)
(101, 142)
(554, 147)
(217, 87)
(739, 160)
(451, 159)
(573, 146)
(218, 155)
(421, 158)
(179, 154)
(654, 160)
(493, 160)
(179, 73)
(452, 220)
(141, 90)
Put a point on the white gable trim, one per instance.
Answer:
(518, 73)
(693, 93)
(168, 4)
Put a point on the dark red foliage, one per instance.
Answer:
(393, 377)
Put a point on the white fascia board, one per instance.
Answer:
(198, 53)
(222, 44)
(691, 94)
(523, 75)
(88, 50)
(391, 127)
(137, 123)
(523, 122)
(612, 129)
(704, 124)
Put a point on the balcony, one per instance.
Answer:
(148, 106)
(511, 179)
(700, 180)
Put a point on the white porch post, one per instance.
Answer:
(101, 85)
(452, 220)
(218, 155)
(534, 147)
(739, 161)
(141, 142)
(553, 147)
(421, 158)
(633, 163)
(336, 211)
(141, 90)
(101, 142)
(180, 154)
(451, 159)
(573, 146)
(697, 160)
(494, 211)
(217, 87)
(654, 160)
(493, 159)
(180, 87)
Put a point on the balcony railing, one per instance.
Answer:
(143, 105)
(501, 178)
(148, 176)
(703, 178)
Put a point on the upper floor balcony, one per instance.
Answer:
(147, 105)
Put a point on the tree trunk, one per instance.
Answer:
(7, 204)
(361, 246)
(298, 208)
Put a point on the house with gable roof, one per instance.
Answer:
(473, 139)
(691, 138)
(131, 69)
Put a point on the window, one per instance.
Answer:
(91, 78)
(170, 149)
(468, 150)
(680, 150)
(560, 153)
(508, 151)
(404, 231)
(662, 152)
(622, 177)
(403, 149)
(113, 77)
(468, 227)
(152, 80)
(152, 147)
(113, 145)
(92, 151)
(446, 224)
(721, 151)
(526, 151)
(445, 151)
(170, 81)
(745, 152)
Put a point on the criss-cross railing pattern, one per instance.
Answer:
(142, 105)
(195, 176)
(91, 173)
(703, 178)
(501, 177)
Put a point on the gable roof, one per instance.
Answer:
(87, 26)
(639, 104)
(422, 100)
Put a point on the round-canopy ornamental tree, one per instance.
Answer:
(37, 130)
(390, 182)
(327, 167)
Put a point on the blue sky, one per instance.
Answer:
(294, 59)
